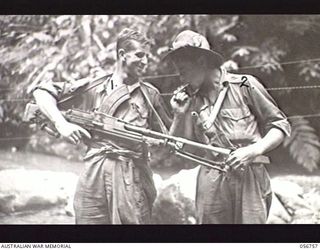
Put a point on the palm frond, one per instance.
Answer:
(303, 144)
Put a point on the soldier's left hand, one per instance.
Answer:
(242, 157)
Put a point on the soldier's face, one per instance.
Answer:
(135, 60)
(191, 72)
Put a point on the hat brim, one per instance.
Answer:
(214, 57)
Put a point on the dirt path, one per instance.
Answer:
(28, 160)
(48, 216)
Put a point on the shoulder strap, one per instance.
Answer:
(218, 104)
(119, 95)
(95, 83)
(146, 94)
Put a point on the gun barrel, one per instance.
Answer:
(149, 132)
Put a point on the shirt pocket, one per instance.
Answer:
(236, 121)
(137, 112)
(142, 109)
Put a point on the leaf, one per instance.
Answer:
(1, 114)
(42, 37)
(309, 70)
(230, 65)
(241, 52)
(222, 25)
(303, 144)
(229, 37)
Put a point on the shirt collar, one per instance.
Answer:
(103, 87)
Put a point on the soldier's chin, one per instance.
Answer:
(134, 75)
(140, 72)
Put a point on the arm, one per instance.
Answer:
(48, 105)
(245, 155)
(272, 119)
(182, 124)
(269, 142)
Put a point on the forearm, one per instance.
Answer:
(48, 106)
(177, 125)
(244, 156)
(270, 141)
(182, 126)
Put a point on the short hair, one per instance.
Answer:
(126, 36)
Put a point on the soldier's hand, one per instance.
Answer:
(180, 102)
(242, 157)
(72, 132)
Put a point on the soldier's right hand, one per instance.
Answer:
(72, 132)
(180, 102)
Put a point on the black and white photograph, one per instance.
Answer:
(181, 119)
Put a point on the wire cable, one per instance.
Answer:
(280, 63)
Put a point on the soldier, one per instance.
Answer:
(232, 111)
(116, 187)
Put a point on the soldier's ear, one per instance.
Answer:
(122, 54)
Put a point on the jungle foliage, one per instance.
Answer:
(65, 48)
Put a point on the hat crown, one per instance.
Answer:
(190, 38)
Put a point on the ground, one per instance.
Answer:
(58, 215)
(31, 161)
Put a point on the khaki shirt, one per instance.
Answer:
(247, 113)
(135, 110)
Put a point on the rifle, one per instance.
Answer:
(111, 127)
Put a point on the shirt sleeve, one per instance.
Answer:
(60, 90)
(265, 108)
(55, 89)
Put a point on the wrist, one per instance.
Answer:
(60, 122)
(178, 115)
(257, 149)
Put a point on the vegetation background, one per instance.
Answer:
(281, 50)
(34, 48)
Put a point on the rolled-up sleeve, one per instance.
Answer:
(56, 89)
(60, 90)
(265, 108)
